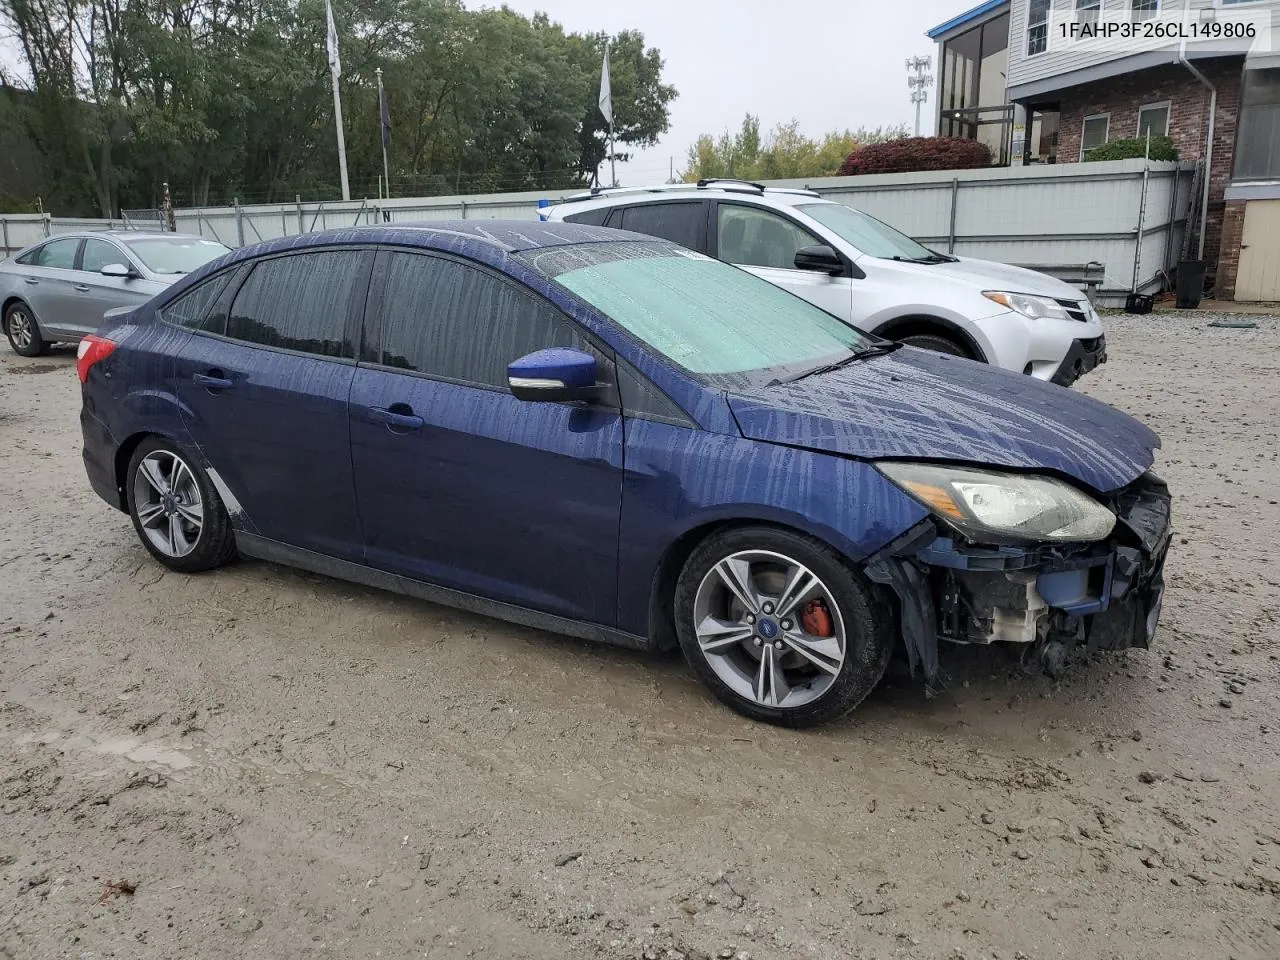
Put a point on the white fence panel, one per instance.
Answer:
(1060, 215)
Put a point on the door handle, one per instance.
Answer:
(394, 419)
(82, 287)
(211, 382)
(31, 280)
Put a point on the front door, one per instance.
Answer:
(765, 243)
(265, 384)
(1259, 274)
(458, 482)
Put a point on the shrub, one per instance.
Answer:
(910, 154)
(1162, 148)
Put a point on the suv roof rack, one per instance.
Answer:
(724, 183)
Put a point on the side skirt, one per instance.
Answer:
(252, 545)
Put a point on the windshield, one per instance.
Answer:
(175, 254)
(714, 320)
(868, 234)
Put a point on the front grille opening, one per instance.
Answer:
(1075, 309)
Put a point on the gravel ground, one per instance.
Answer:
(259, 762)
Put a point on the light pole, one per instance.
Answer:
(918, 80)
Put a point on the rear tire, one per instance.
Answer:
(176, 511)
(23, 332)
(936, 343)
(748, 625)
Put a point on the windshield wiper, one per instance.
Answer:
(875, 350)
(931, 258)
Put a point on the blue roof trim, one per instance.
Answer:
(962, 19)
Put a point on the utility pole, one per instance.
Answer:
(918, 81)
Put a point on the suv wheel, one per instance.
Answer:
(780, 627)
(23, 332)
(935, 342)
(175, 509)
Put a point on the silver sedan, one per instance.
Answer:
(59, 289)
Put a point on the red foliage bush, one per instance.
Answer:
(917, 153)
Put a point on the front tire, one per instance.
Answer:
(23, 332)
(936, 343)
(176, 511)
(780, 627)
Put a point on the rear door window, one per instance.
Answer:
(683, 222)
(60, 254)
(457, 322)
(301, 302)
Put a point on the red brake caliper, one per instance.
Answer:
(816, 619)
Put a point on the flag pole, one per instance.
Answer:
(606, 109)
(613, 168)
(382, 124)
(342, 143)
(335, 71)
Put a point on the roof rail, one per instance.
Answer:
(727, 183)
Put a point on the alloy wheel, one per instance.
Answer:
(167, 502)
(20, 329)
(769, 628)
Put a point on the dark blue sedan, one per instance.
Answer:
(610, 436)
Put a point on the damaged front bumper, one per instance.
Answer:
(1059, 598)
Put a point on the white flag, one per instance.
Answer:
(331, 41)
(606, 97)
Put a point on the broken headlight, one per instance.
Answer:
(988, 506)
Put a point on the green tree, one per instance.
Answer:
(784, 154)
(232, 98)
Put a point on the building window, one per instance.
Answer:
(1088, 11)
(1143, 9)
(1037, 26)
(1154, 117)
(1094, 132)
(1258, 137)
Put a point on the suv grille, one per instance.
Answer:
(1075, 309)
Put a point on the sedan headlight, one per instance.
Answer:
(1031, 307)
(988, 506)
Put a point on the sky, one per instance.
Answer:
(830, 64)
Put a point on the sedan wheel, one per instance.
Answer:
(780, 627)
(769, 628)
(23, 333)
(175, 509)
(167, 503)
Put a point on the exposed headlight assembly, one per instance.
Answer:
(1031, 307)
(994, 507)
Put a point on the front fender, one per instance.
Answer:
(678, 481)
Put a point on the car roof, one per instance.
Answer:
(125, 236)
(481, 238)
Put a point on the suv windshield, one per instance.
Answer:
(175, 254)
(713, 320)
(868, 234)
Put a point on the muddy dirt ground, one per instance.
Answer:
(264, 763)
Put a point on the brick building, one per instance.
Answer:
(1066, 91)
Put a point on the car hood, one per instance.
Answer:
(917, 405)
(1001, 276)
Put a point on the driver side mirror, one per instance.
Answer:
(820, 258)
(117, 270)
(556, 374)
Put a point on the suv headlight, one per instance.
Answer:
(1031, 307)
(988, 506)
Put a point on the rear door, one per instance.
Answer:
(48, 286)
(765, 242)
(265, 384)
(461, 484)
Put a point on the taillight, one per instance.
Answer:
(92, 349)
